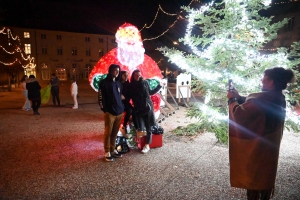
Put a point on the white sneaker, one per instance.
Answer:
(146, 148)
(74, 107)
(116, 154)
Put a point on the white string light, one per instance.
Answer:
(7, 31)
(170, 14)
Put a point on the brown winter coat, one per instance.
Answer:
(255, 132)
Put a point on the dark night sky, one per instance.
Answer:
(87, 15)
(97, 16)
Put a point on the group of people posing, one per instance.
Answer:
(115, 93)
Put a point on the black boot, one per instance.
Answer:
(35, 112)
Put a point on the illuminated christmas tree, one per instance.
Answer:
(225, 39)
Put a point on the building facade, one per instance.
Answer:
(290, 33)
(67, 54)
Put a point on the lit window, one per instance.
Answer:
(100, 40)
(26, 35)
(74, 51)
(74, 71)
(87, 39)
(87, 70)
(45, 72)
(27, 48)
(61, 72)
(43, 36)
(100, 53)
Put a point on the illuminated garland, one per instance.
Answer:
(160, 60)
(7, 31)
(162, 32)
(159, 9)
(170, 14)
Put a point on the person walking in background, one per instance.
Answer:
(110, 102)
(55, 89)
(74, 92)
(255, 133)
(26, 105)
(140, 94)
(34, 94)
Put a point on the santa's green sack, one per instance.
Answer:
(45, 94)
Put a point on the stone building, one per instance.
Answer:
(67, 54)
(291, 31)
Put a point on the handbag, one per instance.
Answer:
(156, 130)
(122, 145)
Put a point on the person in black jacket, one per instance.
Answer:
(110, 102)
(125, 100)
(140, 94)
(34, 94)
(55, 89)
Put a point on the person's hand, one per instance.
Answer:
(161, 83)
(122, 97)
(232, 94)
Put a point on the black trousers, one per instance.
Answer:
(259, 194)
(35, 103)
(55, 95)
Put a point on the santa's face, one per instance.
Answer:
(130, 49)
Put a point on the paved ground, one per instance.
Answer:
(59, 155)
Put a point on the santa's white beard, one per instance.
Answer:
(130, 55)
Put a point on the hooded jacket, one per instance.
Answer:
(125, 92)
(109, 93)
(33, 88)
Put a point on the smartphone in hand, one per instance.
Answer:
(230, 85)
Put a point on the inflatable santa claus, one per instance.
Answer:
(129, 55)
